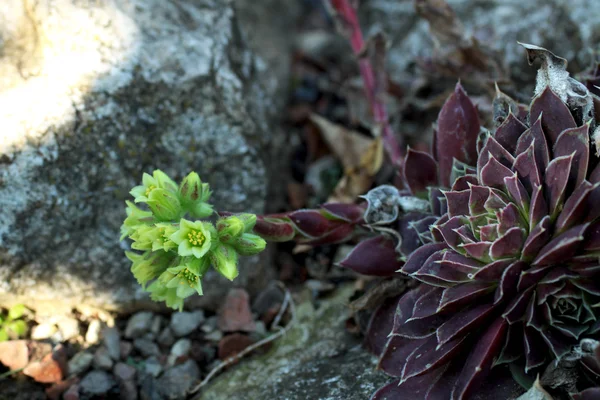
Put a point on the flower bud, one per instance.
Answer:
(164, 205)
(229, 228)
(201, 210)
(135, 217)
(249, 221)
(249, 244)
(224, 259)
(149, 265)
(190, 189)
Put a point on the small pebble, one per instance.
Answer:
(97, 383)
(138, 324)
(69, 328)
(102, 359)
(80, 362)
(126, 348)
(156, 325)
(153, 367)
(184, 323)
(146, 347)
(166, 337)
(112, 341)
(43, 331)
(92, 336)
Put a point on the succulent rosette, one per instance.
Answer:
(509, 264)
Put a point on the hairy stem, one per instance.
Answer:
(351, 28)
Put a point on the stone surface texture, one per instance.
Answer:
(316, 359)
(92, 94)
(566, 27)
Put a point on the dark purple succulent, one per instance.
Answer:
(510, 276)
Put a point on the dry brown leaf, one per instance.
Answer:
(360, 156)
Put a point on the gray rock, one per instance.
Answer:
(138, 324)
(566, 27)
(112, 341)
(166, 337)
(152, 367)
(124, 372)
(149, 388)
(97, 383)
(180, 349)
(175, 382)
(102, 359)
(156, 324)
(135, 85)
(80, 362)
(146, 347)
(316, 359)
(184, 323)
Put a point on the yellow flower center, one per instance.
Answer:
(196, 238)
(149, 189)
(188, 276)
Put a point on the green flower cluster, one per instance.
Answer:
(176, 252)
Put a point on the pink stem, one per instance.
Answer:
(378, 108)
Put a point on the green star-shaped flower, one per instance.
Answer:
(136, 217)
(193, 238)
(158, 180)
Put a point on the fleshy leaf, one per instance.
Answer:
(556, 180)
(528, 170)
(537, 238)
(541, 150)
(534, 352)
(561, 248)
(463, 322)
(430, 356)
(480, 360)
(374, 256)
(420, 171)
(493, 174)
(459, 295)
(458, 202)
(457, 132)
(509, 132)
(556, 116)
(575, 208)
(418, 258)
(508, 245)
(575, 141)
(380, 324)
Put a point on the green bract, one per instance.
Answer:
(177, 251)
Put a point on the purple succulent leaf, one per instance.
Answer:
(460, 295)
(435, 194)
(575, 208)
(415, 388)
(416, 260)
(274, 230)
(393, 358)
(419, 328)
(488, 233)
(342, 233)
(509, 132)
(531, 277)
(381, 323)
(411, 226)
(517, 192)
(494, 149)
(575, 141)
(493, 271)
(588, 394)
(420, 171)
(589, 285)
(508, 281)
(436, 272)
(463, 322)
(375, 256)
(464, 182)
(458, 262)
(508, 217)
(448, 232)
(532, 318)
(574, 331)
(511, 349)
(545, 290)
(427, 304)
(556, 342)
(562, 247)
(588, 269)
(497, 199)
(343, 212)
(429, 356)
(310, 222)
(480, 360)
(479, 250)
(458, 202)
(493, 174)
(593, 201)
(516, 308)
(558, 274)
(477, 199)
(535, 354)
(528, 170)
(538, 237)
(556, 179)
(508, 245)
(457, 131)
(555, 114)
(538, 208)
(592, 238)
(595, 175)
(535, 135)
(466, 234)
